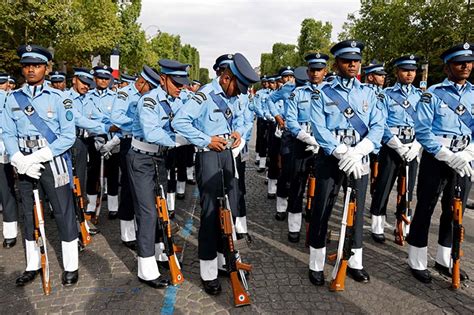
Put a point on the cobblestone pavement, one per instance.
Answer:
(278, 283)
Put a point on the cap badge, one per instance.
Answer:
(466, 46)
(28, 48)
(230, 56)
(187, 68)
(353, 44)
(318, 55)
(91, 72)
(412, 57)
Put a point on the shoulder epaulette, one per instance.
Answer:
(426, 97)
(122, 95)
(67, 103)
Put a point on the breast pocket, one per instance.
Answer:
(442, 110)
(215, 116)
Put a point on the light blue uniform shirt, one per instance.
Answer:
(185, 95)
(394, 113)
(201, 118)
(276, 101)
(298, 108)
(242, 105)
(151, 121)
(52, 106)
(435, 118)
(3, 97)
(258, 101)
(326, 118)
(103, 100)
(124, 108)
(92, 125)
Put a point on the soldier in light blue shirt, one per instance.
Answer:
(256, 105)
(58, 80)
(444, 129)
(347, 123)
(298, 122)
(152, 137)
(124, 110)
(102, 97)
(41, 157)
(208, 122)
(7, 181)
(400, 148)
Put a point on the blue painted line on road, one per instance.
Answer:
(172, 291)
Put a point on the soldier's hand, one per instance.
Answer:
(114, 128)
(217, 144)
(280, 121)
(236, 136)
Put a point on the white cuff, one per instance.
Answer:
(394, 143)
(340, 150)
(364, 147)
(444, 154)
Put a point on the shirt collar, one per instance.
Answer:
(346, 84)
(467, 86)
(34, 91)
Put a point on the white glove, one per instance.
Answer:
(237, 149)
(340, 150)
(465, 171)
(357, 170)
(413, 152)
(110, 145)
(99, 143)
(34, 171)
(445, 155)
(180, 140)
(19, 161)
(278, 132)
(313, 148)
(462, 158)
(398, 146)
(306, 138)
(40, 156)
(352, 157)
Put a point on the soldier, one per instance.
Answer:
(375, 76)
(261, 141)
(124, 110)
(277, 105)
(273, 143)
(305, 147)
(102, 97)
(399, 144)
(11, 83)
(347, 123)
(207, 122)
(58, 80)
(444, 128)
(126, 80)
(7, 181)
(152, 135)
(38, 129)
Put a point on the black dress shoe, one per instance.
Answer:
(93, 231)
(131, 244)
(316, 277)
(171, 214)
(247, 237)
(421, 275)
(212, 287)
(163, 264)
(271, 196)
(9, 242)
(180, 196)
(113, 215)
(190, 182)
(70, 277)
(223, 273)
(280, 216)
(359, 275)
(158, 283)
(26, 277)
(294, 237)
(261, 170)
(378, 238)
(446, 272)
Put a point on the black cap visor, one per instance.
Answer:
(85, 80)
(407, 67)
(181, 80)
(465, 58)
(350, 56)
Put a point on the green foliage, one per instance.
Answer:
(391, 29)
(314, 36)
(204, 75)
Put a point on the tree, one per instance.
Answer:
(204, 76)
(314, 37)
(391, 29)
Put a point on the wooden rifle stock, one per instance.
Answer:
(40, 238)
(374, 173)
(345, 249)
(309, 199)
(403, 206)
(241, 297)
(80, 208)
(458, 236)
(164, 221)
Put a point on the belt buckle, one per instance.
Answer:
(407, 131)
(30, 143)
(348, 140)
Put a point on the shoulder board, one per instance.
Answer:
(426, 97)
(202, 95)
(197, 99)
(67, 103)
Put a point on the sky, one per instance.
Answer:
(251, 27)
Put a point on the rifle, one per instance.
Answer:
(164, 222)
(79, 207)
(374, 172)
(232, 256)
(344, 248)
(458, 235)
(40, 238)
(101, 191)
(309, 199)
(403, 206)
